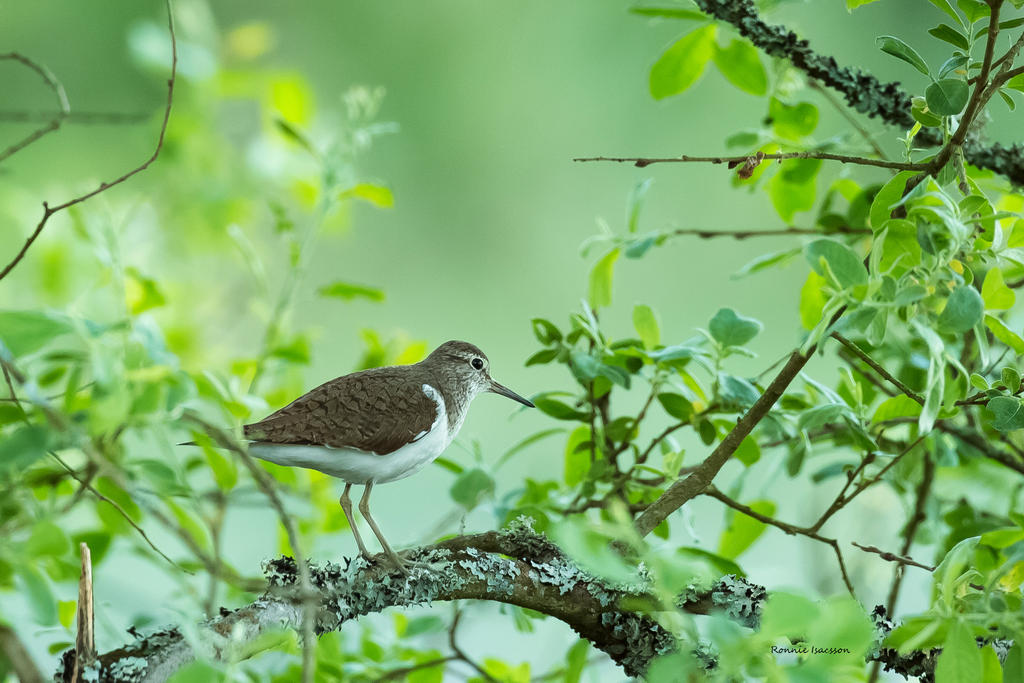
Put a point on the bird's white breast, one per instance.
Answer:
(359, 467)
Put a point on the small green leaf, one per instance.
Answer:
(732, 329)
(683, 63)
(295, 135)
(1004, 334)
(377, 195)
(843, 263)
(349, 291)
(676, 405)
(896, 407)
(600, 291)
(36, 588)
(23, 332)
(964, 309)
(922, 114)
(1010, 378)
(897, 48)
(558, 410)
(794, 121)
(1007, 413)
(854, 4)
(889, 195)
(741, 64)
(960, 659)
(545, 331)
(577, 456)
(979, 382)
(743, 530)
(974, 9)
(994, 292)
(766, 261)
(748, 452)
(947, 97)
(950, 35)
(636, 202)
(471, 487)
(646, 325)
(946, 7)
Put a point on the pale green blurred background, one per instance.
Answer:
(492, 101)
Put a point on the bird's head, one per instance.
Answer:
(468, 366)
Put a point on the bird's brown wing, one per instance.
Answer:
(376, 411)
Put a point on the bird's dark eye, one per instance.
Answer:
(477, 364)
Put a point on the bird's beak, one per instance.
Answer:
(505, 391)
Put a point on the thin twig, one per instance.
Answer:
(857, 351)
(54, 120)
(74, 117)
(845, 113)
(49, 211)
(120, 510)
(744, 234)
(791, 529)
(643, 162)
(892, 557)
(403, 672)
(460, 653)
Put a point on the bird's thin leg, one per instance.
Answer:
(364, 508)
(346, 507)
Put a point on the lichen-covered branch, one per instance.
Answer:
(515, 566)
(861, 90)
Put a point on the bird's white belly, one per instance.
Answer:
(359, 467)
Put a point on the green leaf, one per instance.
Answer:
(842, 262)
(960, 659)
(732, 329)
(559, 410)
(897, 48)
(1007, 413)
(741, 64)
(295, 135)
(743, 530)
(1015, 83)
(766, 261)
(947, 97)
(23, 332)
(973, 9)
(748, 452)
(577, 456)
(635, 203)
(922, 114)
(545, 331)
(994, 292)
(682, 64)
(946, 7)
(141, 293)
(1004, 334)
(786, 614)
(676, 405)
(600, 291)
(591, 549)
(646, 325)
(896, 407)
(377, 195)
(790, 198)
(23, 447)
(737, 391)
(47, 539)
(950, 35)
(964, 309)
(36, 589)
(1010, 378)
(889, 195)
(812, 300)
(575, 661)
(854, 4)
(349, 291)
(793, 121)
(471, 487)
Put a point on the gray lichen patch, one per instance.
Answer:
(739, 599)
(128, 669)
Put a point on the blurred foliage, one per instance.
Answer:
(101, 382)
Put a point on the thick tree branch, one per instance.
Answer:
(692, 486)
(862, 91)
(49, 211)
(515, 566)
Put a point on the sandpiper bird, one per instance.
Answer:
(378, 425)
